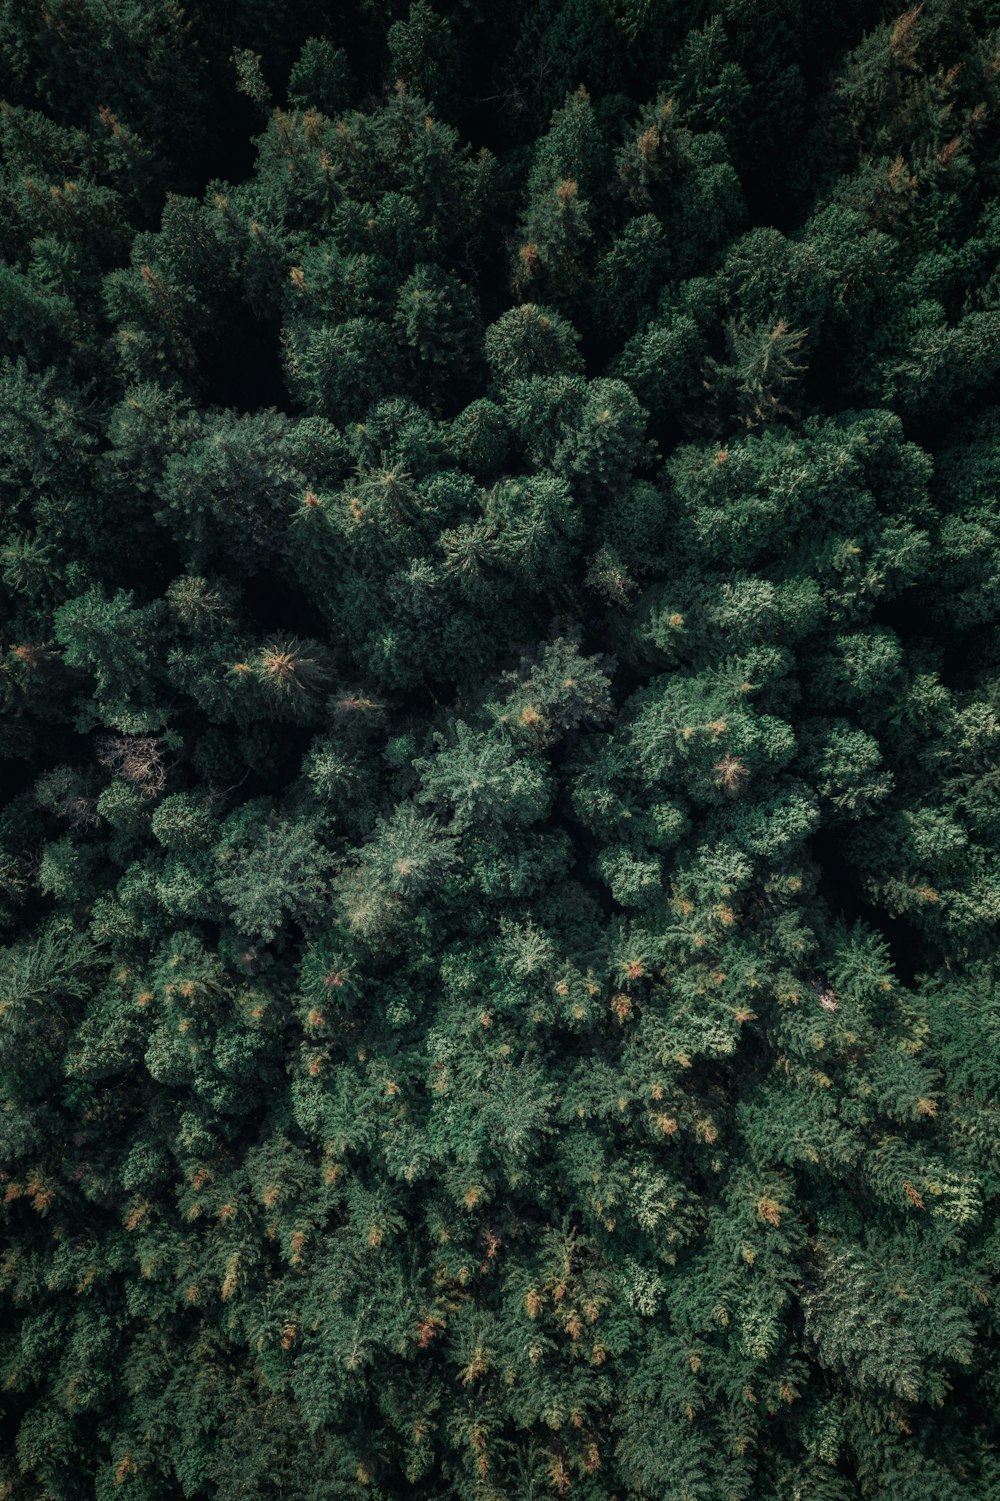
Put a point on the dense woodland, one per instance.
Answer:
(500, 792)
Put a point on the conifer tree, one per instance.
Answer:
(499, 818)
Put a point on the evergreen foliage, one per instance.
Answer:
(499, 729)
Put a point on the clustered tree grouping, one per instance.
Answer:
(500, 748)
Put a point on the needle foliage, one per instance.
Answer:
(499, 729)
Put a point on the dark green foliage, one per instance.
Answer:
(422, 52)
(499, 728)
(320, 78)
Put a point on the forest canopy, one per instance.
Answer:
(500, 738)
